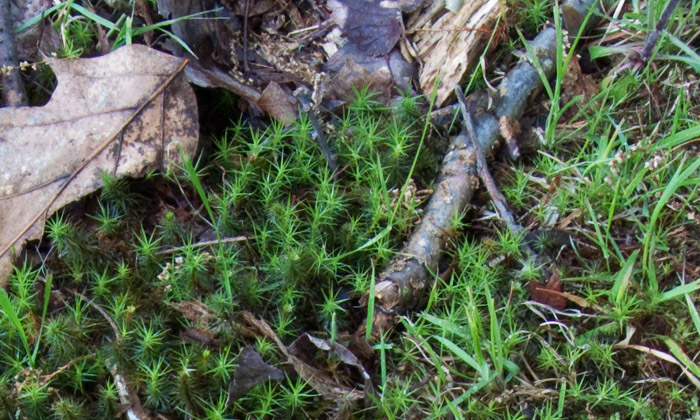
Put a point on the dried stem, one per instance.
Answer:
(482, 167)
(202, 244)
(653, 37)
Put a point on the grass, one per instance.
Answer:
(610, 195)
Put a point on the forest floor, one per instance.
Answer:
(243, 284)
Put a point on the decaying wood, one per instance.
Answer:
(451, 45)
(406, 282)
(13, 93)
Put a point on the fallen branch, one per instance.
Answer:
(405, 283)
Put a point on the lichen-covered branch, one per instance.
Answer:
(405, 283)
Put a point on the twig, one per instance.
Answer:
(98, 308)
(46, 378)
(482, 167)
(94, 154)
(201, 244)
(405, 283)
(307, 108)
(246, 8)
(12, 87)
(215, 77)
(653, 37)
(102, 40)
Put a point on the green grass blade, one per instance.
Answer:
(370, 306)
(179, 40)
(47, 298)
(622, 280)
(681, 290)
(693, 313)
(678, 139)
(482, 370)
(679, 177)
(9, 311)
(436, 359)
(369, 243)
(93, 16)
(676, 350)
(496, 342)
(448, 326)
(693, 58)
(36, 18)
(459, 400)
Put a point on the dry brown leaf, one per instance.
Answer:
(277, 104)
(576, 83)
(255, 8)
(250, 372)
(309, 348)
(450, 46)
(195, 311)
(37, 39)
(549, 294)
(354, 77)
(42, 148)
(199, 336)
(373, 27)
(319, 380)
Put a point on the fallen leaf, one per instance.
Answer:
(379, 74)
(318, 379)
(576, 83)
(199, 34)
(548, 294)
(255, 8)
(307, 347)
(373, 26)
(195, 311)
(277, 104)
(250, 372)
(54, 154)
(200, 336)
(353, 77)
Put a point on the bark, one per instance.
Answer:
(405, 284)
(13, 93)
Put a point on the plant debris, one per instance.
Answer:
(251, 372)
(321, 381)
